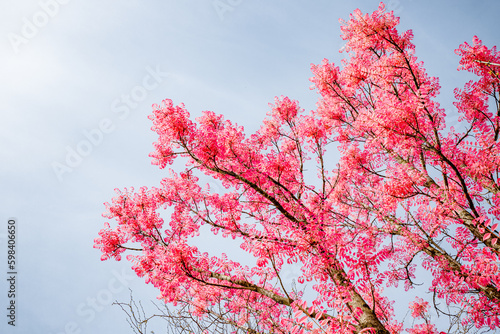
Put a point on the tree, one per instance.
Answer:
(406, 193)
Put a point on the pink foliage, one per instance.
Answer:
(418, 308)
(406, 192)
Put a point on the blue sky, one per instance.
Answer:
(81, 76)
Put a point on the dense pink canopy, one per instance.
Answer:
(406, 192)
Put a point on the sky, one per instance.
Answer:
(77, 81)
